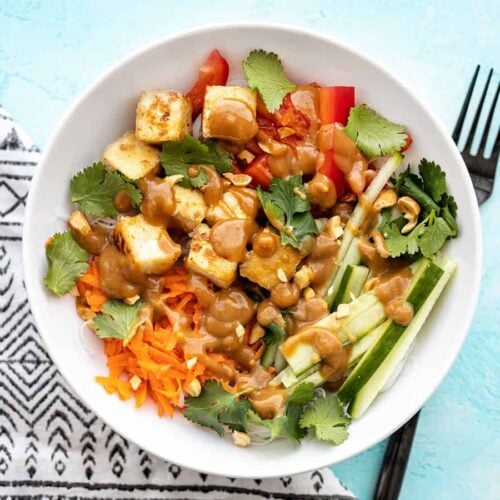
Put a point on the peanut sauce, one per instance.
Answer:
(94, 242)
(233, 120)
(329, 348)
(390, 283)
(268, 402)
(214, 188)
(122, 202)
(230, 238)
(348, 158)
(305, 312)
(322, 259)
(119, 277)
(223, 313)
(158, 201)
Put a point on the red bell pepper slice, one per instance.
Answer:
(408, 143)
(335, 104)
(259, 171)
(333, 172)
(213, 71)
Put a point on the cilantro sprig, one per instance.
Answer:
(215, 407)
(265, 74)
(373, 134)
(67, 262)
(94, 190)
(287, 211)
(177, 156)
(118, 320)
(288, 425)
(328, 420)
(437, 222)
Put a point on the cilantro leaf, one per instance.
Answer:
(399, 244)
(286, 211)
(373, 134)
(434, 179)
(328, 420)
(287, 426)
(67, 262)
(437, 219)
(94, 190)
(435, 235)
(177, 156)
(215, 406)
(265, 73)
(118, 320)
(302, 395)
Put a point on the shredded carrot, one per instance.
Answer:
(88, 286)
(155, 354)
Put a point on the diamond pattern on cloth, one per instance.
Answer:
(51, 444)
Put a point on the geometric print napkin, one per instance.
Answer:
(51, 445)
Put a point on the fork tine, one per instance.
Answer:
(496, 150)
(487, 125)
(475, 121)
(465, 106)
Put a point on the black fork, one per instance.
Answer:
(482, 171)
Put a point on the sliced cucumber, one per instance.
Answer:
(361, 210)
(351, 284)
(287, 378)
(377, 364)
(357, 327)
(315, 377)
(279, 361)
(364, 343)
(366, 313)
(352, 257)
(268, 355)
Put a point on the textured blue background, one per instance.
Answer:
(50, 51)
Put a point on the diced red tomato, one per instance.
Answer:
(259, 171)
(335, 104)
(408, 142)
(213, 71)
(331, 170)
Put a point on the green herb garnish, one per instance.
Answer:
(94, 190)
(265, 74)
(67, 262)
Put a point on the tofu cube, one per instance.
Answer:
(203, 260)
(149, 247)
(236, 203)
(230, 113)
(265, 271)
(131, 157)
(162, 115)
(190, 208)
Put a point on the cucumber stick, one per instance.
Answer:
(351, 284)
(366, 312)
(364, 343)
(378, 363)
(287, 378)
(352, 257)
(361, 211)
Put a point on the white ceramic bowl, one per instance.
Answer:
(107, 109)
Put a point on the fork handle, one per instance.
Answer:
(395, 461)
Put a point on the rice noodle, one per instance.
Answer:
(81, 336)
(105, 222)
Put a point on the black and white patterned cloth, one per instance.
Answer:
(51, 445)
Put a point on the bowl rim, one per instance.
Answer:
(30, 276)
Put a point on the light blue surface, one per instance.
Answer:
(50, 51)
